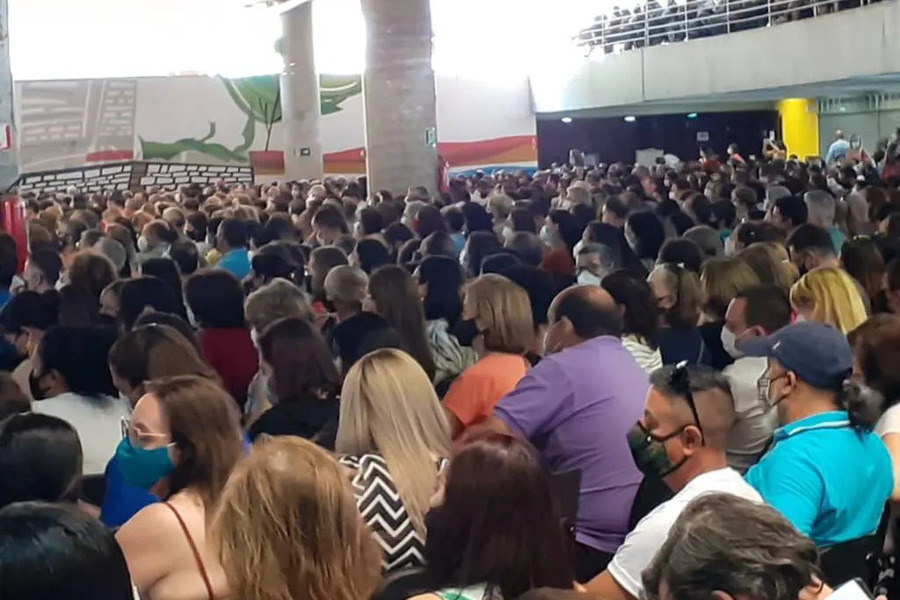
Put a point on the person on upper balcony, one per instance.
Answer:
(838, 148)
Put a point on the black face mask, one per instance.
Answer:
(466, 331)
(329, 305)
(34, 384)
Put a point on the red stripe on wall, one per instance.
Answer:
(109, 155)
(521, 148)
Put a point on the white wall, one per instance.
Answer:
(853, 43)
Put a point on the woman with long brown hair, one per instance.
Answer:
(303, 381)
(395, 296)
(293, 533)
(182, 441)
(477, 547)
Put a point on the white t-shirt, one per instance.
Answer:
(641, 545)
(889, 422)
(96, 420)
(755, 422)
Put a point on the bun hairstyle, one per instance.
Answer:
(862, 403)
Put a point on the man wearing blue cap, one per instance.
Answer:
(826, 471)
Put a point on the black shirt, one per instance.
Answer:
(309, 418)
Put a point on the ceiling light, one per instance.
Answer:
(692, 115)
(630, 119)
(566, 120)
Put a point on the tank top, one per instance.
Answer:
(194, 551)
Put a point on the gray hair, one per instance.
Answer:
(821, 207)
(346, 284)
(707, 238)
(608, 258)
(727, 543)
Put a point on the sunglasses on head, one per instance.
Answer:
(680, 383)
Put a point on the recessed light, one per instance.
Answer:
(630, 119)
(692, 115)
(566, 120)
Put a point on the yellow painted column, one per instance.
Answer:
(799, 126)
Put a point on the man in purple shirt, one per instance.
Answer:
(576, 406)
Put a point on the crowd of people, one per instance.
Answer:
(622, 382)
(655, 22)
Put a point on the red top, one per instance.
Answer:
(232, 354)
(559, 260)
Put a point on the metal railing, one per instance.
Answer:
(653, 24)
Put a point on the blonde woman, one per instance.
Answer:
(283, 533)
(828, 295)
(501, 312)
(771, 264)
(393, 435)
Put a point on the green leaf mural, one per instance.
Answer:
(334, 90)
(259, 98)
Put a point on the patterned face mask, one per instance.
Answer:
(649, 451)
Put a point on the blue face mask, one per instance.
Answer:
(140, 467)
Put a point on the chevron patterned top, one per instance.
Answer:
(384, 513)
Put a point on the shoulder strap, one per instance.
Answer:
(194, 550)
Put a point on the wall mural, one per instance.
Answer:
(210, 120)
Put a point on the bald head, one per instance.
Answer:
(587, 310)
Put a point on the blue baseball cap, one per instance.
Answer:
(819, 354)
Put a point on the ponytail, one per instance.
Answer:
(862, 403)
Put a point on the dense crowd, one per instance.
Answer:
(667, 21)
(625, 382)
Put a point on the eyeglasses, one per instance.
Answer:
(680, 383)
(139, 440)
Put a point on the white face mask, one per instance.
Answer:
(143, 244)
(729, 342)
(254, 336)
(507, 233)
(588, 278)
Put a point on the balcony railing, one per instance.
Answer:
(653, 24)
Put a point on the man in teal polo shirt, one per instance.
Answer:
(826, 472)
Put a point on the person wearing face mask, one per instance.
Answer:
(755, 312)
(681, 439)
(155, 239)
(501, 313)
(593, 262)
(577, 406)
(181, 443)
(23, 322)
(826, 471)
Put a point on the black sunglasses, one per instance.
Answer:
(680, 383)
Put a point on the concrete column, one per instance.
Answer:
(300, 104)
(9, 163)
(399, 90)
